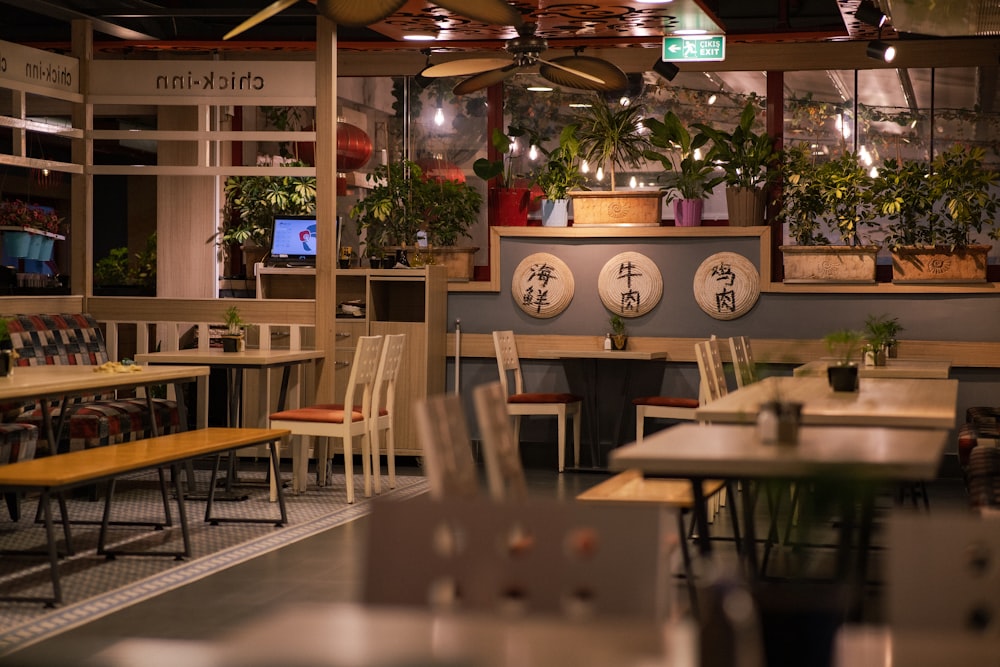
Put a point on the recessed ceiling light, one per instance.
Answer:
(580, 105)
(690, 31)
(654, 2)
(540, 89)
(418, 37)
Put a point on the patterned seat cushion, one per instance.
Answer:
(17, 442)
(984, 477)
(76, 340)
(98, 423)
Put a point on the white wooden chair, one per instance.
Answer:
(337, 421)
(444, 439)
(713, 376)
(520, 403)
(743, 364)
(504, 472)
(384, 408)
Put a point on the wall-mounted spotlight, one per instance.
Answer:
(880, 50)
(667, 70)
(868, 13)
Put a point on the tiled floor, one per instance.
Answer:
(324, 568)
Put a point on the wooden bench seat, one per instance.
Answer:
(54, 475)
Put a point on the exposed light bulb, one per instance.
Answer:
(439, 117)
(514, 147)
(624, 101)
(585, 167)
(712, 98)
(45, 172)
(632, 183)
(697, 154)
(874, 172)
(600, 173)
(533, 152)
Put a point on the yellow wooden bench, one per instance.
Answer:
(53, 475)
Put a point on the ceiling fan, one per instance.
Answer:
(574, 71)
(357, 13)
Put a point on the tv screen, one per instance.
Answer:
(293, 240)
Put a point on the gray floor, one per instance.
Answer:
(325, 568)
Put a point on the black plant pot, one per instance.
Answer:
(375, 262)
(232, 343)
(843, 378)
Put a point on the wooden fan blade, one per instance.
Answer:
(484, 80)
(260, 17)
(465, 67)
(581, 72)
(357, 13)
(491, 12)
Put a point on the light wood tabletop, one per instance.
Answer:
(894, 368)
(34, 382)
(878, 402)
(217, 357)
(735, 451)
(638, 355)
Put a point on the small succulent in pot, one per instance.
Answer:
(619, 335)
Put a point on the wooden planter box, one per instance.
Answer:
(458, 261)
(632, 208)
(829, 264)
(940, 264)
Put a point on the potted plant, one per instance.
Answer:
(612, 137)
(828, 198)
(512, 193)
(880, 333)
(402, 203)
(619, 336)
(29, 231)
(935, 243)
(117, 275)
(689, 178)
(233, 340)
(560, 174)
(844, 345)
(746, 158)
(251, 202)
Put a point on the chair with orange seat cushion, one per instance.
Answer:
(334, 421)
(521, 403)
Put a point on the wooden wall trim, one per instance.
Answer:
(961, 354)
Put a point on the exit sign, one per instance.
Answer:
(693, 49)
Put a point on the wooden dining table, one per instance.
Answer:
(64, 382)
(879, 402)
(853, 461)
(926, 369)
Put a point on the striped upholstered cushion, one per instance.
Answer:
(17, 442)
(97, 423)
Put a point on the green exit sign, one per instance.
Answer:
(693, 49)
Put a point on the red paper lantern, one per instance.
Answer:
(354, 147)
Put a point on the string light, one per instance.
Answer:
(533, 152)
(585, 167)
(439, 117)
(600, 173)
(633, 183)
(712, 98)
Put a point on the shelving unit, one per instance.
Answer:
(410, 301)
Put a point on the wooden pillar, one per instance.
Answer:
(326, 202)
(81, 224)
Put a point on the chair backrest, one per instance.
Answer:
(364, 368)
(743, 363)
(542, 556)
(444, 440)
(508, 362)
(384, 394)
(943, 573)
(713, 377)
(504, 472)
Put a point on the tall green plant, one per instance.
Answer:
(965, 189)
(744, 155)
(688, 176)
(611, 136)
(252, 202)
(561, 172)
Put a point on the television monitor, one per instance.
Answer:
(293, 241)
